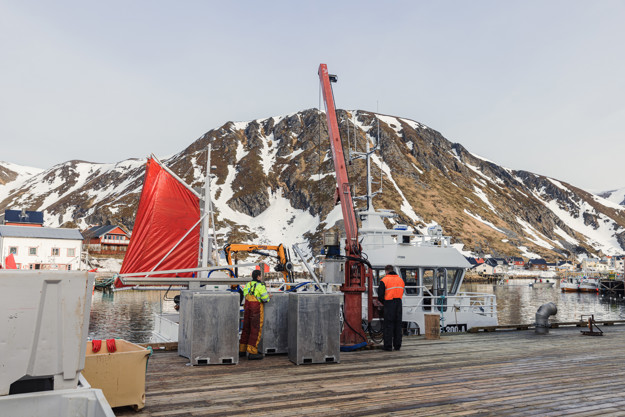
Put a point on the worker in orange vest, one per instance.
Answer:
(390, 293)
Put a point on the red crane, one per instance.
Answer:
(357, 269)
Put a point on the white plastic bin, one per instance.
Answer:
(44, 320)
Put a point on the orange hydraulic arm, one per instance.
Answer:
(285, 266)
(357, 272)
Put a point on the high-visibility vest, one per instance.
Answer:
(393, 287)
(257, 290)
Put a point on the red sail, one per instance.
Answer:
(167, 211)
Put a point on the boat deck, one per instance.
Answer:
(507, 373)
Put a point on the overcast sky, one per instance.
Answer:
(532, 85)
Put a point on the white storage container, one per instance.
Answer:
(44, 320)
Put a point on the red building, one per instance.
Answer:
(106, 240)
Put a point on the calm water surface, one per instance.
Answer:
(128, 314)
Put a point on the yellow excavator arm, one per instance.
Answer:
(284, 263)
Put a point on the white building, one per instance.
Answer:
(41, 247)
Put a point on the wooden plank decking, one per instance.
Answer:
(512, 373)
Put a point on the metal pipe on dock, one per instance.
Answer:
(542, 317)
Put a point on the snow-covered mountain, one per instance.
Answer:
(274, 183)
(615, 196)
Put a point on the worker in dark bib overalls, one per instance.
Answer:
(255, 294)
(390, 293)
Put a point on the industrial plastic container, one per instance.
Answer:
(275, 336)
(44, 320)
(120, 374)
(208, 333)
(75, 402)
(314, 328)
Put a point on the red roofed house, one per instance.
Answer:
(106, 240)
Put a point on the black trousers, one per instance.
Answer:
(392, 324)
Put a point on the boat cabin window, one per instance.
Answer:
(378, 274)
(434, 282)
(454, 278)
(411, 279)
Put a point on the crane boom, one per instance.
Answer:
(357, 272)
(343, 188)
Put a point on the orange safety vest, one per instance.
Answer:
(393, 287)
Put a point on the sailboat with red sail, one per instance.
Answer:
(166, 234)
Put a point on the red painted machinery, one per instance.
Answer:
(357, 270)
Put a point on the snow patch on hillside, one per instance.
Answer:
(391, 122)
(413, 124)
(268, 153)
(615, 196)
(405, 205)
(534, 235)
(481, 220)
(482, 196)
(558, 184)
(279, 223)
(604, 237)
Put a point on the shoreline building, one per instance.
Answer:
(36, 247)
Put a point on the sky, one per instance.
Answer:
(531, 85)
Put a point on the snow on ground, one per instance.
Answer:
(318, 177)
(602, 238)
(525, 252)
(268, 153)
(359, 124)
(479, 172)
(615, 196)
(565, 236)
(530, 274)
(24, 174)
(334, 216)
(279, 223)
(239, 126)
(481, 220)
(534, 234)
(241, 152)
(106, 264)
(558, 184)
(609, 202)
(413, 124)
(405, 206)
(392, 122)
(482, 196)
(481, 157)
(417, 168)
(21, 170)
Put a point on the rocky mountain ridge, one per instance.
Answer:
(274, 183)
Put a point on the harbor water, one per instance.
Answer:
(128, 314)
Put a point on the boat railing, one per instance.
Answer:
(480, 303)
(302, 286)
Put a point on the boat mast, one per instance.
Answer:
(206, 248)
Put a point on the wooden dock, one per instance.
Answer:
(508, 373)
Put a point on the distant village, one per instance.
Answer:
(26, 244)
(501, 266)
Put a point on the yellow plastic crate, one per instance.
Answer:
(120, 375)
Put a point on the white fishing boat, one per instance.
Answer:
(589, 284)
(540, 283)
(570, 284)
(580, 284)
(432, 269)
